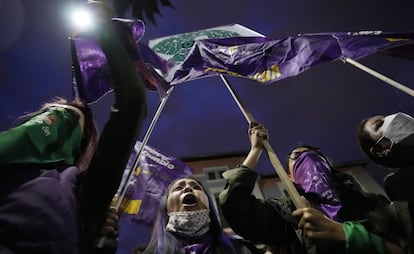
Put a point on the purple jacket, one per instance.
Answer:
(39, 212)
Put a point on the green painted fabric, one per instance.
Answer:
(53, 135)
(359, 240)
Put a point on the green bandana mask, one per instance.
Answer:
(52, 135)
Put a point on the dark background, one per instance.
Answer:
(322, 106)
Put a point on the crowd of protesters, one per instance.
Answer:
(60, 176)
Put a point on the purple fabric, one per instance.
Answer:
(150, 57)
(38, 211)
(357, 45)
(202, 246)
(157, 171)
(92, 75)
(267, 60)
(313, 174)
(256, 58)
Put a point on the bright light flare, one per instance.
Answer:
(82, 19)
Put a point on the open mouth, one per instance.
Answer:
(189, 200)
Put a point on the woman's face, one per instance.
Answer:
(373, 127)
(186, 195)
(292, 158)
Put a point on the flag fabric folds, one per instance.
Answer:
(257, 58)
(245, 53)
(174, 49)
(152, 176)
(356, 45)
(232, 50)
(92, 78)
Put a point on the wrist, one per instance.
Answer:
(244, 166)
(256, 149)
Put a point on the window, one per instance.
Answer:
(211, 175)
(215, 173)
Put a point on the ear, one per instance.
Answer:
(381, 154)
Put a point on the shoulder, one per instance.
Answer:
(397, 184)
(239, 172)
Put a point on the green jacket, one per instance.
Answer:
(255, 219)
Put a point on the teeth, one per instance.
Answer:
(194, 204)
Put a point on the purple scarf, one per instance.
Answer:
(313, 174)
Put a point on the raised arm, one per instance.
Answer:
(119, 134)
(256, 135)
(252, 218)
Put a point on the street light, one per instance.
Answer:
(87, 15)
(82, 18)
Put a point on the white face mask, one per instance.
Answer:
(191, 223)
(398, 126)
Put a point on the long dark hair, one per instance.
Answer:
(163, 242)
(371, 209)
(90, 135)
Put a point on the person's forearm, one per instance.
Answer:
(129, 89)
(122, 128)
(119, 135)
(252, 158)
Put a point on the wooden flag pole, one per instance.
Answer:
(378, 75)
(288, 184)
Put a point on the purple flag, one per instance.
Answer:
(356, 45)
(174, 49)
(257, 58)
(268, 60)
(92, 78)
(151, 178)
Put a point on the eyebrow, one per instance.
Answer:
(183, 182)
(378, 124)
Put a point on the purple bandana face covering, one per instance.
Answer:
(313, 174)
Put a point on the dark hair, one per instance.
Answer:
(312, 148)
(139, 249)
(163, 242)
(366, 142)
(90, 134)
(372, 209)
